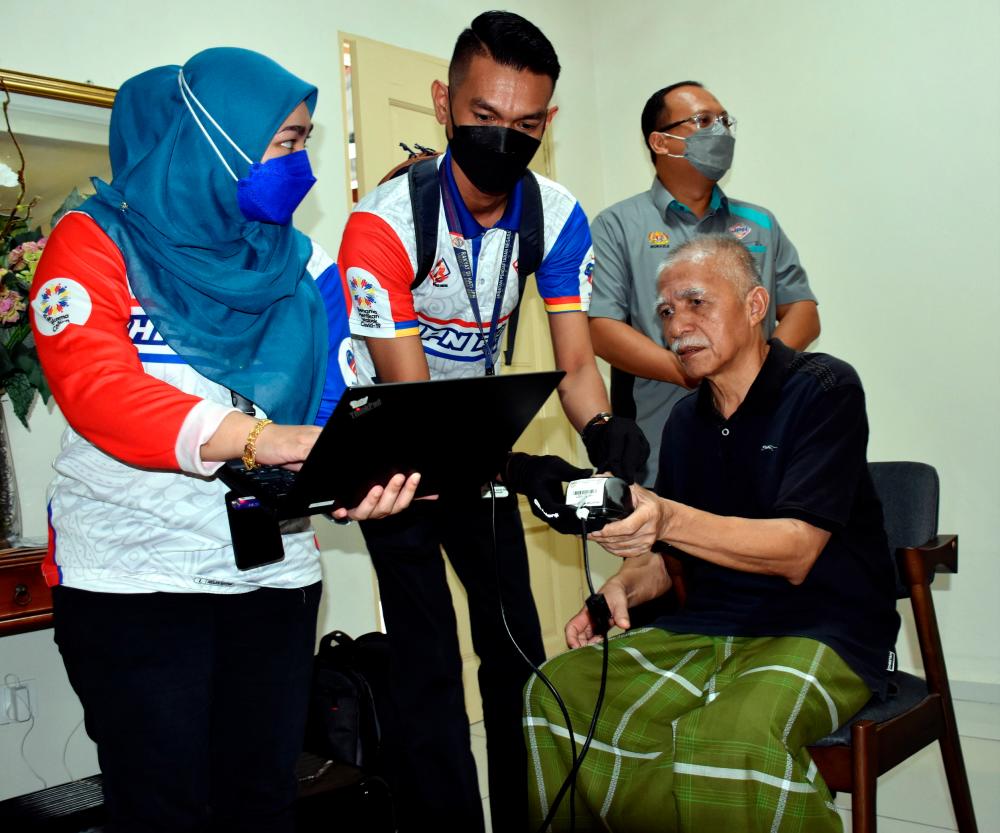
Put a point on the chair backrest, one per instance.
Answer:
(909, 495)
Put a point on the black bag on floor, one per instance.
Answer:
(350, 677)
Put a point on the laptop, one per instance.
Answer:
(455, 432)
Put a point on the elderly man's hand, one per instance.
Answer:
(381, 501)
(636, 534)
(580, 629)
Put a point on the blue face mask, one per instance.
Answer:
(271, 190)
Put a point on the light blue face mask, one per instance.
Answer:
(710, 150)
(271, 190)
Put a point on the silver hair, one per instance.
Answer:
(732, 259)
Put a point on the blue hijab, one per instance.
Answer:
(232, 297)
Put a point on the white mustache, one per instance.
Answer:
(687, 341)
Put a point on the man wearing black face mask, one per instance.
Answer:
(495, 110)
(690, 139)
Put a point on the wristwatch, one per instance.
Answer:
(600, 419)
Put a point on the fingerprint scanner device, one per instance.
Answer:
(606, 499)
(455, 432)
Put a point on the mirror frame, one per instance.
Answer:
(56, 88)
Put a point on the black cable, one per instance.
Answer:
(601, 623)
(535, 669)
(569, 783)
(586, 559)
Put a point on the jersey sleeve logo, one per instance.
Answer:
(60, 302)
(363, 292)
(587, 282)
(368, 296)
(348, 362)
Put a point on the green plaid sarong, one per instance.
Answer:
(700, 734)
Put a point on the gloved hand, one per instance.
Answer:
(616, 445)
(540, 479)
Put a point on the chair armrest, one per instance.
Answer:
(919, 564)
(675, 569)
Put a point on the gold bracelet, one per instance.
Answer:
(250, 449)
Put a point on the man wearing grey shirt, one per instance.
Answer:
(689, 135)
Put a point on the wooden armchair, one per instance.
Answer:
(917, 712)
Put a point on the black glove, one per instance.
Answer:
(540, 479)
(616, 444)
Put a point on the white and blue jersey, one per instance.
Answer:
(378, 258)
(133, 507)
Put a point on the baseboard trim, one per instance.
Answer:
(975, 692)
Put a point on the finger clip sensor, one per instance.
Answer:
(599, 500)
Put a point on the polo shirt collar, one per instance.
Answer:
(510, 221)
(663, 200)
(765, 391)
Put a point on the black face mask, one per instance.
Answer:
(493, 158)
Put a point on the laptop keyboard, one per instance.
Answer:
(271, 482)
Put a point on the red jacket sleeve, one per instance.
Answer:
(81, 309)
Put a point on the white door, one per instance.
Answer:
(390, 101)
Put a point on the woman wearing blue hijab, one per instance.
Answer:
(179, 291)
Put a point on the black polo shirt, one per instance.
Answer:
(795, 448)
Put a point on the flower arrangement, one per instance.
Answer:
(20, 373)
(20, 250)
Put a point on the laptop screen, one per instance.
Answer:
(455, 432)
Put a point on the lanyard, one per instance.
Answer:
(468, 279)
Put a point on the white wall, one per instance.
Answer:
(106, 45)
(871, 130)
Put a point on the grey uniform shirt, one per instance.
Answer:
(631, 240)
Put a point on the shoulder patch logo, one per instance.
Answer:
(587, 280)
(658, 239)
(348, 362)
(60, 302)
(739, 230)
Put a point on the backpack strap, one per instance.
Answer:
(425, 202)
(530, 248)
(531, 235)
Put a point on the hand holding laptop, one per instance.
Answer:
(364, 464)
(394, 497)
(270, 444)
(289, 445)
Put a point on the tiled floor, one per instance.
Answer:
(913, 798)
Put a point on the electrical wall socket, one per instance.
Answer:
(17, 702)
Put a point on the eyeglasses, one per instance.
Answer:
(702, 120)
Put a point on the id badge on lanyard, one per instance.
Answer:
(469, 280)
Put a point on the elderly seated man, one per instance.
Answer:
(789, 621)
